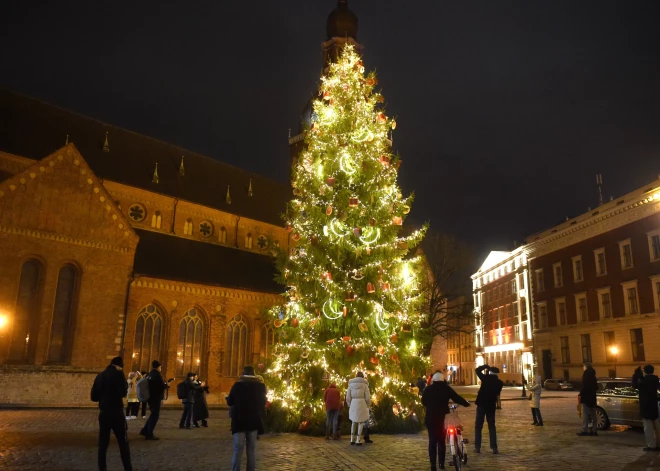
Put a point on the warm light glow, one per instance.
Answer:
(4, 320)
(504, 347)
(614, 350)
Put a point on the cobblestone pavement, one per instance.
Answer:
(66, 440)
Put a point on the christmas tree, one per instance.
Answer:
(353, 291)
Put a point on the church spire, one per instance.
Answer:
(155, 178)
(106, 146)
(182, 170)
(250, 188)
(228, 197)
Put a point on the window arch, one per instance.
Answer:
(27, 312)
(236, 346)
(248, 241)
(146, 346)
(222, 235)
(156, 220)
(188, 227)
(267, 340)
(189, 353)
(67, 282)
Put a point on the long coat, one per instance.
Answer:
(535, 390)
(589, 388)
(200, 409)
(132, 388)
(358, 400)
(648, 394)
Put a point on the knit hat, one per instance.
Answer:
(438, 377)
(118, 361)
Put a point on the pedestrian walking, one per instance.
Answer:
(588, 401)
(247, 400)
(535, 400)
(157, 387)
(491, 387)
(186, 392)
(436, 401)
(109, 390)
(200, 409)
(358, 400)
(647, 385)
(133, 404)
(332, 399)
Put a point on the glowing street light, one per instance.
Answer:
(614, 350)
(4, 320)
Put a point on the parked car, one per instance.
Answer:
(558, 384)
(617, 403)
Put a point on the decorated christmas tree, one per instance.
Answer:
(353, 295)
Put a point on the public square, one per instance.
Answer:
(57, 439)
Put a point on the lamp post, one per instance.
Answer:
(522, 372)
(614, 350)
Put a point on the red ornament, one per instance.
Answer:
(350, 296)
(353, 202)
(350, 350)
(289, 228)
(328, 210)
(314, 240)
(381, 349)
(372, 222)
(397, 220)
(357, 231)
(394, 338)
(330, 342)
(403, 245)
(346, 338)
(385, 160)
(395, 357)
(326, 96)
(385, 286)
(327, 276)
(381, 117)
(371, 288)
(295, 236)
(373, 360)
(371, 81)
(295, 322)
(330, 181)
(345, 311)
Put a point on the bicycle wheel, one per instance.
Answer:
(458, 455)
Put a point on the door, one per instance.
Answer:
(547, 364)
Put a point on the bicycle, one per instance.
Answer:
(456, 440)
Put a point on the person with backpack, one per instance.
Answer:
(156, 386)
(109, 389)
(185, 391)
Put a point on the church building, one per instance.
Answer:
(114, 243)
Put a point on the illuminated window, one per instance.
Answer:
(267, 340)
(236, 352)
(58, 350)
(188, 227)
(578, 274)
(248, 241)
(608, 338)
(601, 262)
(146, 346)
(625, 251)
(222, 235)
(25, 321)
(156, 220)
(189, 353)
(559, 278)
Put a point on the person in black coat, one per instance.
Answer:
(190, 386)
(436, 401)
(647, 383)
(157, 387)
(247, 400)
(200, 409)
(421, 385)
(110, 387)
(491, 387)
(588, 401)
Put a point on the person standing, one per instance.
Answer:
(647, 385)
(133, 404)
(143, 374)
(188, 399)
(421, 385)
(535, 401)
(491, 387)
(109, 389)
(436, 401)
(588, 400)
(332, 399)
(200, 409)
(247, 400)
(358, 400)
(157, 387)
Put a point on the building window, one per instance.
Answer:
(517, 332)
(540, 281)
(560, 306)
(625, 250)
(58, 350)
(581, 307)
(631, 297)
(509, 311)
(189, 353)
(578, 274)
(137, 212)
(156, 220)
(604, 303)
(586, 348)
(26, 318)
(521, 281)
(637, 345)
(654, 245)
(601, 262)
(523, 309)
(655, 284)
(146, 346)
(543, 315)
(236, 351)
(565, 351)
(267, 340)
(513, 287)
(206, 228)
(559, 278)
(222, 235)
(188, 227)
(248, 241)
(608, 338)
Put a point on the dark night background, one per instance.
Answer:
(506, 109)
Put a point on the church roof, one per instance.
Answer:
(32, 128)
(175, 258)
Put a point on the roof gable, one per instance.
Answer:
(493, 259)
(61, 196)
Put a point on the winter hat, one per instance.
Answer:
(118, 361)
(438, 377)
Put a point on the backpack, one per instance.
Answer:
(182, 390)
(142, 389)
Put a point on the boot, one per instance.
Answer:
(358, 441)
(352, 439)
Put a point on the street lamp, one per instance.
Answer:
(614, 350)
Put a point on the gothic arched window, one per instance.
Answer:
(156, 220)
(189, 354)
(267, 340)
(146, 346)
(25, 321)
(60, 330)
(222, 235)
(236, 346)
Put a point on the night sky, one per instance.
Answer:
(506, 110)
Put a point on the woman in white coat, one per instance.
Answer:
(358, 400)
(535, 403)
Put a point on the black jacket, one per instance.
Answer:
(421, 385)
(157, 386)
(436, 400)
(110, 387)
(589, 387)
(191, 387)
(648, 394)
(491, 387)
(200, 409)
(247, 399)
